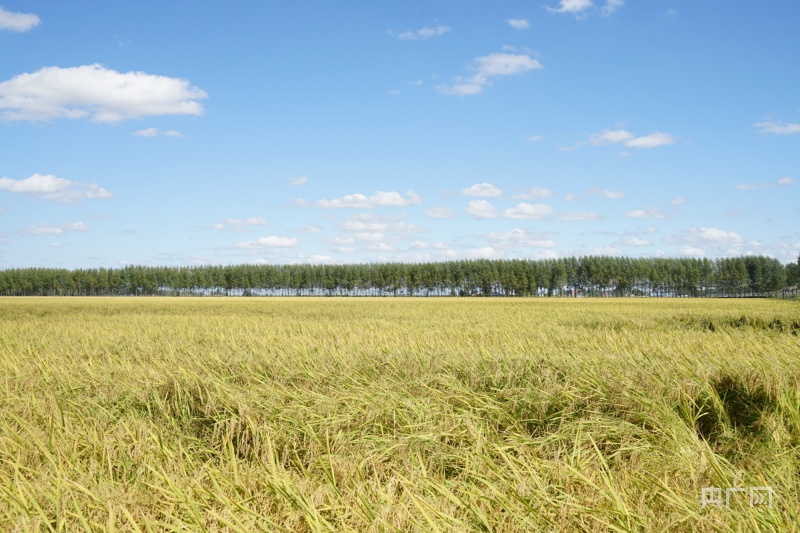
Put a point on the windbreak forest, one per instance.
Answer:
(590, 276)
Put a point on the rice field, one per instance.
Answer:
(324, 414)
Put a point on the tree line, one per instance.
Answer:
(591, 276)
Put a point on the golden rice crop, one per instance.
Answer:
(397, 414)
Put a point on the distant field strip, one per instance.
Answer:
(371, 414)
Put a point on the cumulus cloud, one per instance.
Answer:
(439, 212)
(571, 6)
(629, 140)
(147, 132)
(606, 250)
(312, 228)
(370, 222)
(778, 128)
(753, 186)
(532, 193)
(521, 237)
(19, 22)
(56, 189)
(577, 216)
(518, 24)
(269, 242)
(238, 224)
(536, 138)
(155, 132)
(63, 229)
(680, 200)
(96, 92)
(528, 211)
(713, 236)
(611, 195)
(481, 209)
(423, 34)
(485, 252)
(580, 7)
(379, 247)
(488, 67)
(653, 140)
(362, 236)
(607, 137)
(654, 212)
(299, 180)
(611, 6)
(378, 199)
(765, 185)
(482, 189)
(636, 241)
(692, 251)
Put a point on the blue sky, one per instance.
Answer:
(183, 133)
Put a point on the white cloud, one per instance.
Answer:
(20, 22)
(269, 242)
(147, 132)
(778, 128)
(154, 132)
(312, 228)
(238, 224)
(488, 67)
(379, 247)
(753, 187)
(320, 258)
(692, 251)
(765, 185)
(536, 138)
(654, 212)
(518, 24)
(423, 33)
(50, 187)
(611, 195)
(481, 209)
(653, 140)
(439, 212)
(571, 6)
(363, 236)
(680, 200)
(485, 252)
(577, 216)
(712, 236)
(607, 250)
(522, 238)
(93, 91)
(636, 241)
(528, 211)
(579, 7)
(482, 189)
(611, 6)
(378, 199)
(299, 180)
(532, 193)
(629, 140)
(571, 197)
(607, 137)
(63, 229)
(370, 222)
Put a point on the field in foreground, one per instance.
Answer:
(397, 414)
